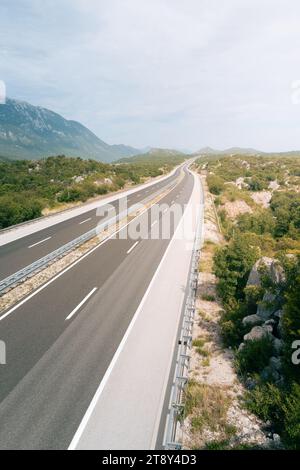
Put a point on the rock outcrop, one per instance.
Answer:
(267, 321)
(255, 274)
(252, 320)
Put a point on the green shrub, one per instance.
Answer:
(102, 189)
(281, 407)
(232, 266)
(208, 297)
(291, 410)
(254, 356)
(232, 329)
(257, 184)
(253, 295)
(71, 194)
(120, 182)
(260, 223)
(215, 184)
(14, 210)
(266, 402)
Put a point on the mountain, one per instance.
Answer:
(242, 151)
(153, 155)
(32, 132)
(207, 151)
(230, 151)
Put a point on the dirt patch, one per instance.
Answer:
(235, 208)
(262, 198)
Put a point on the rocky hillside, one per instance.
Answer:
(257, 271)
(32, 132)
(266, 323)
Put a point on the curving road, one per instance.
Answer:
(61, 340)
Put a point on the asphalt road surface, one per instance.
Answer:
(60, 342)
(24, 251)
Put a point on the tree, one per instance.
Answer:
(232, 266)
(257, 184)
(260, 223)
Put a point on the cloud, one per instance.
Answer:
(161, 73)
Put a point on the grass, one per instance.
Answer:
(232, 194)
(208, 297)
(199, 345)
(206, 406)
(217, 445)
(203, 315)
(205, 362)
(207, 254)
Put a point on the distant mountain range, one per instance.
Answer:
(32, 132)
(230, 151)
(153, 154)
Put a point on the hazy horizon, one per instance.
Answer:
(160, 74)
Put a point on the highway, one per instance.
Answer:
(61, 340)
(24, 251)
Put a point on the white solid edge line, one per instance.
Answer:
(164, 388)
(81, 303)
(86, 220)
(133, 246)
(41, 241)
(109, 370)
(42, 287)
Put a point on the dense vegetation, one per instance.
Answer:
(271, 230)
(29, 187)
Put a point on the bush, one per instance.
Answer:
(257, 184)
(253, 295)
(232, 328)
(281, 407)
(266, 402)
(71, 194)
(16, 210)
(260, 223)
(291, 410)
(119, 182)
(102, 189)
(254, 356)
(232, 265)
(208, 297)
(215, 184)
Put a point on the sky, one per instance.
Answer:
(161, 73)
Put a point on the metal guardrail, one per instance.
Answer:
(33, 268)
(176, 408)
